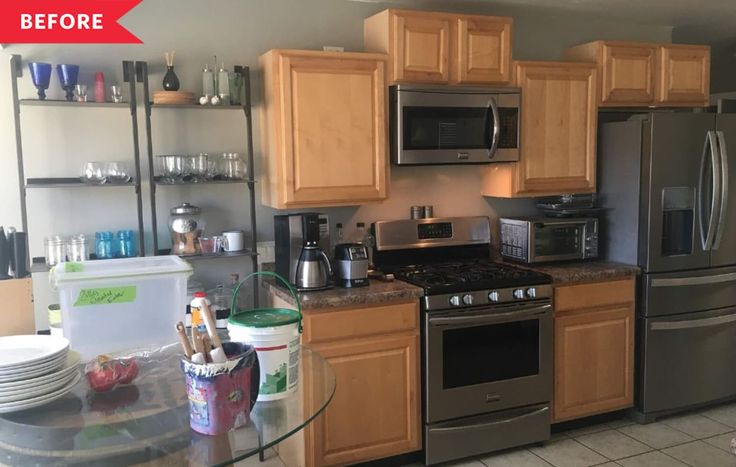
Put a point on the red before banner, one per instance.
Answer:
(65, 22)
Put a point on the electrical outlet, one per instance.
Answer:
(333, 48)
(266, 253)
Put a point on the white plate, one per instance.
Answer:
(72, 360)
(36, 391)
(40, 400)
(33, 367)
(18, 351)
(28, 374)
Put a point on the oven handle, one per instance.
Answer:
(492, 423)
(496, 127)
(491, 318)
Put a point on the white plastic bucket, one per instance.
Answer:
(278, 357)
(274, 332)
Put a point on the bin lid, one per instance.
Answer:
(265, 318)
(69, 272)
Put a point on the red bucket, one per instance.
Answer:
(221, 395)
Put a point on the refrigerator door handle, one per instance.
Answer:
(696, 280)
(709, 149)
(723, 153)
(692, 323)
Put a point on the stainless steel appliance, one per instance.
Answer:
(540, 240)
(351, 265)
(453, 124)
(665, 178)
(486, 336)
(300, 244)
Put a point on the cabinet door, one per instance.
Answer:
(629, 74)
(375, 411)
(483, 50)
(334, 130)
(421, 47)
(558, 128)
(685, 76)
(593, 362)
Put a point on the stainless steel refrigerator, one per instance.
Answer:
(664, 178)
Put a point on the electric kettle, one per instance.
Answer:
(313, 270)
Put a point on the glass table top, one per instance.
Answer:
(148, 422)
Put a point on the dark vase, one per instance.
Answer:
(171, 81)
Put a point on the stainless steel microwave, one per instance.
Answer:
(539, 240)
(453, 124)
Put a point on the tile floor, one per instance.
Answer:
(696, 439)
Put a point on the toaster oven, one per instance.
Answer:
(540, 240)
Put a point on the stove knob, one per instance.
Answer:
(455, 300)
(519, 293)
(468, 299)
(531, 292)
(493, 296)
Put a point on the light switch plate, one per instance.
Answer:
(266, 252)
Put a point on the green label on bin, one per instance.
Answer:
(106, 296)
(73, 267)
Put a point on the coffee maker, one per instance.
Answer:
(300, 244)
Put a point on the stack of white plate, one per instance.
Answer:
(35, 370)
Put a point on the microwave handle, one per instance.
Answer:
(495, 129)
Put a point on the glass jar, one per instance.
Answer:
(186, 227)
(78, 248)
(126, 244)
(104, 248)
(232, 166)
(55, 250)
(223, 85)
(236, 86)
(222, 298)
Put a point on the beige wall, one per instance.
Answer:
(57, 141)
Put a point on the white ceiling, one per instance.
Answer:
(699, 20)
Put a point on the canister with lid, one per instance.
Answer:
(186, 226)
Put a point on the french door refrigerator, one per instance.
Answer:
(664, 178)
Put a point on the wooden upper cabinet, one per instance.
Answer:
(483, 50)
(685, 77)
(441, 48)
(325, 128)
(633, 74)
(558, 133)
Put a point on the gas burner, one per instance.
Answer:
(458, 276)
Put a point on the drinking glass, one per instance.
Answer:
(77, 248)
(104, 248)
(94, 173)
(117, 172)
(117, 93)
(199, 166)
(55, 250)
(81, 90)
(173, 168)
(210, 245)
(41, 76)
(232, 167)
(68, 75)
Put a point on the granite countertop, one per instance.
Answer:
(585, 271)
(376, 293)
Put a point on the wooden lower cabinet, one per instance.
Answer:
(375, 412)
(594, 350)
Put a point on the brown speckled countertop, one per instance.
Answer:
(374, 294)
(585, 271)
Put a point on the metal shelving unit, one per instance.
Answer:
(129, 76)
(156, 182)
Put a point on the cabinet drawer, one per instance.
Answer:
(594, 295)
(353, 323)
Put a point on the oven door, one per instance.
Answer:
(488, 359)
(557, 240)
(442, 127)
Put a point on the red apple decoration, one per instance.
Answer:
(103, 373)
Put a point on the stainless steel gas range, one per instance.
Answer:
(486, 336)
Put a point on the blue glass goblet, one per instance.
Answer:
(40, 75)
(68, 75)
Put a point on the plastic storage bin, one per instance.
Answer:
(119, 304)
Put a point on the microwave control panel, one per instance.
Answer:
(514, 240)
